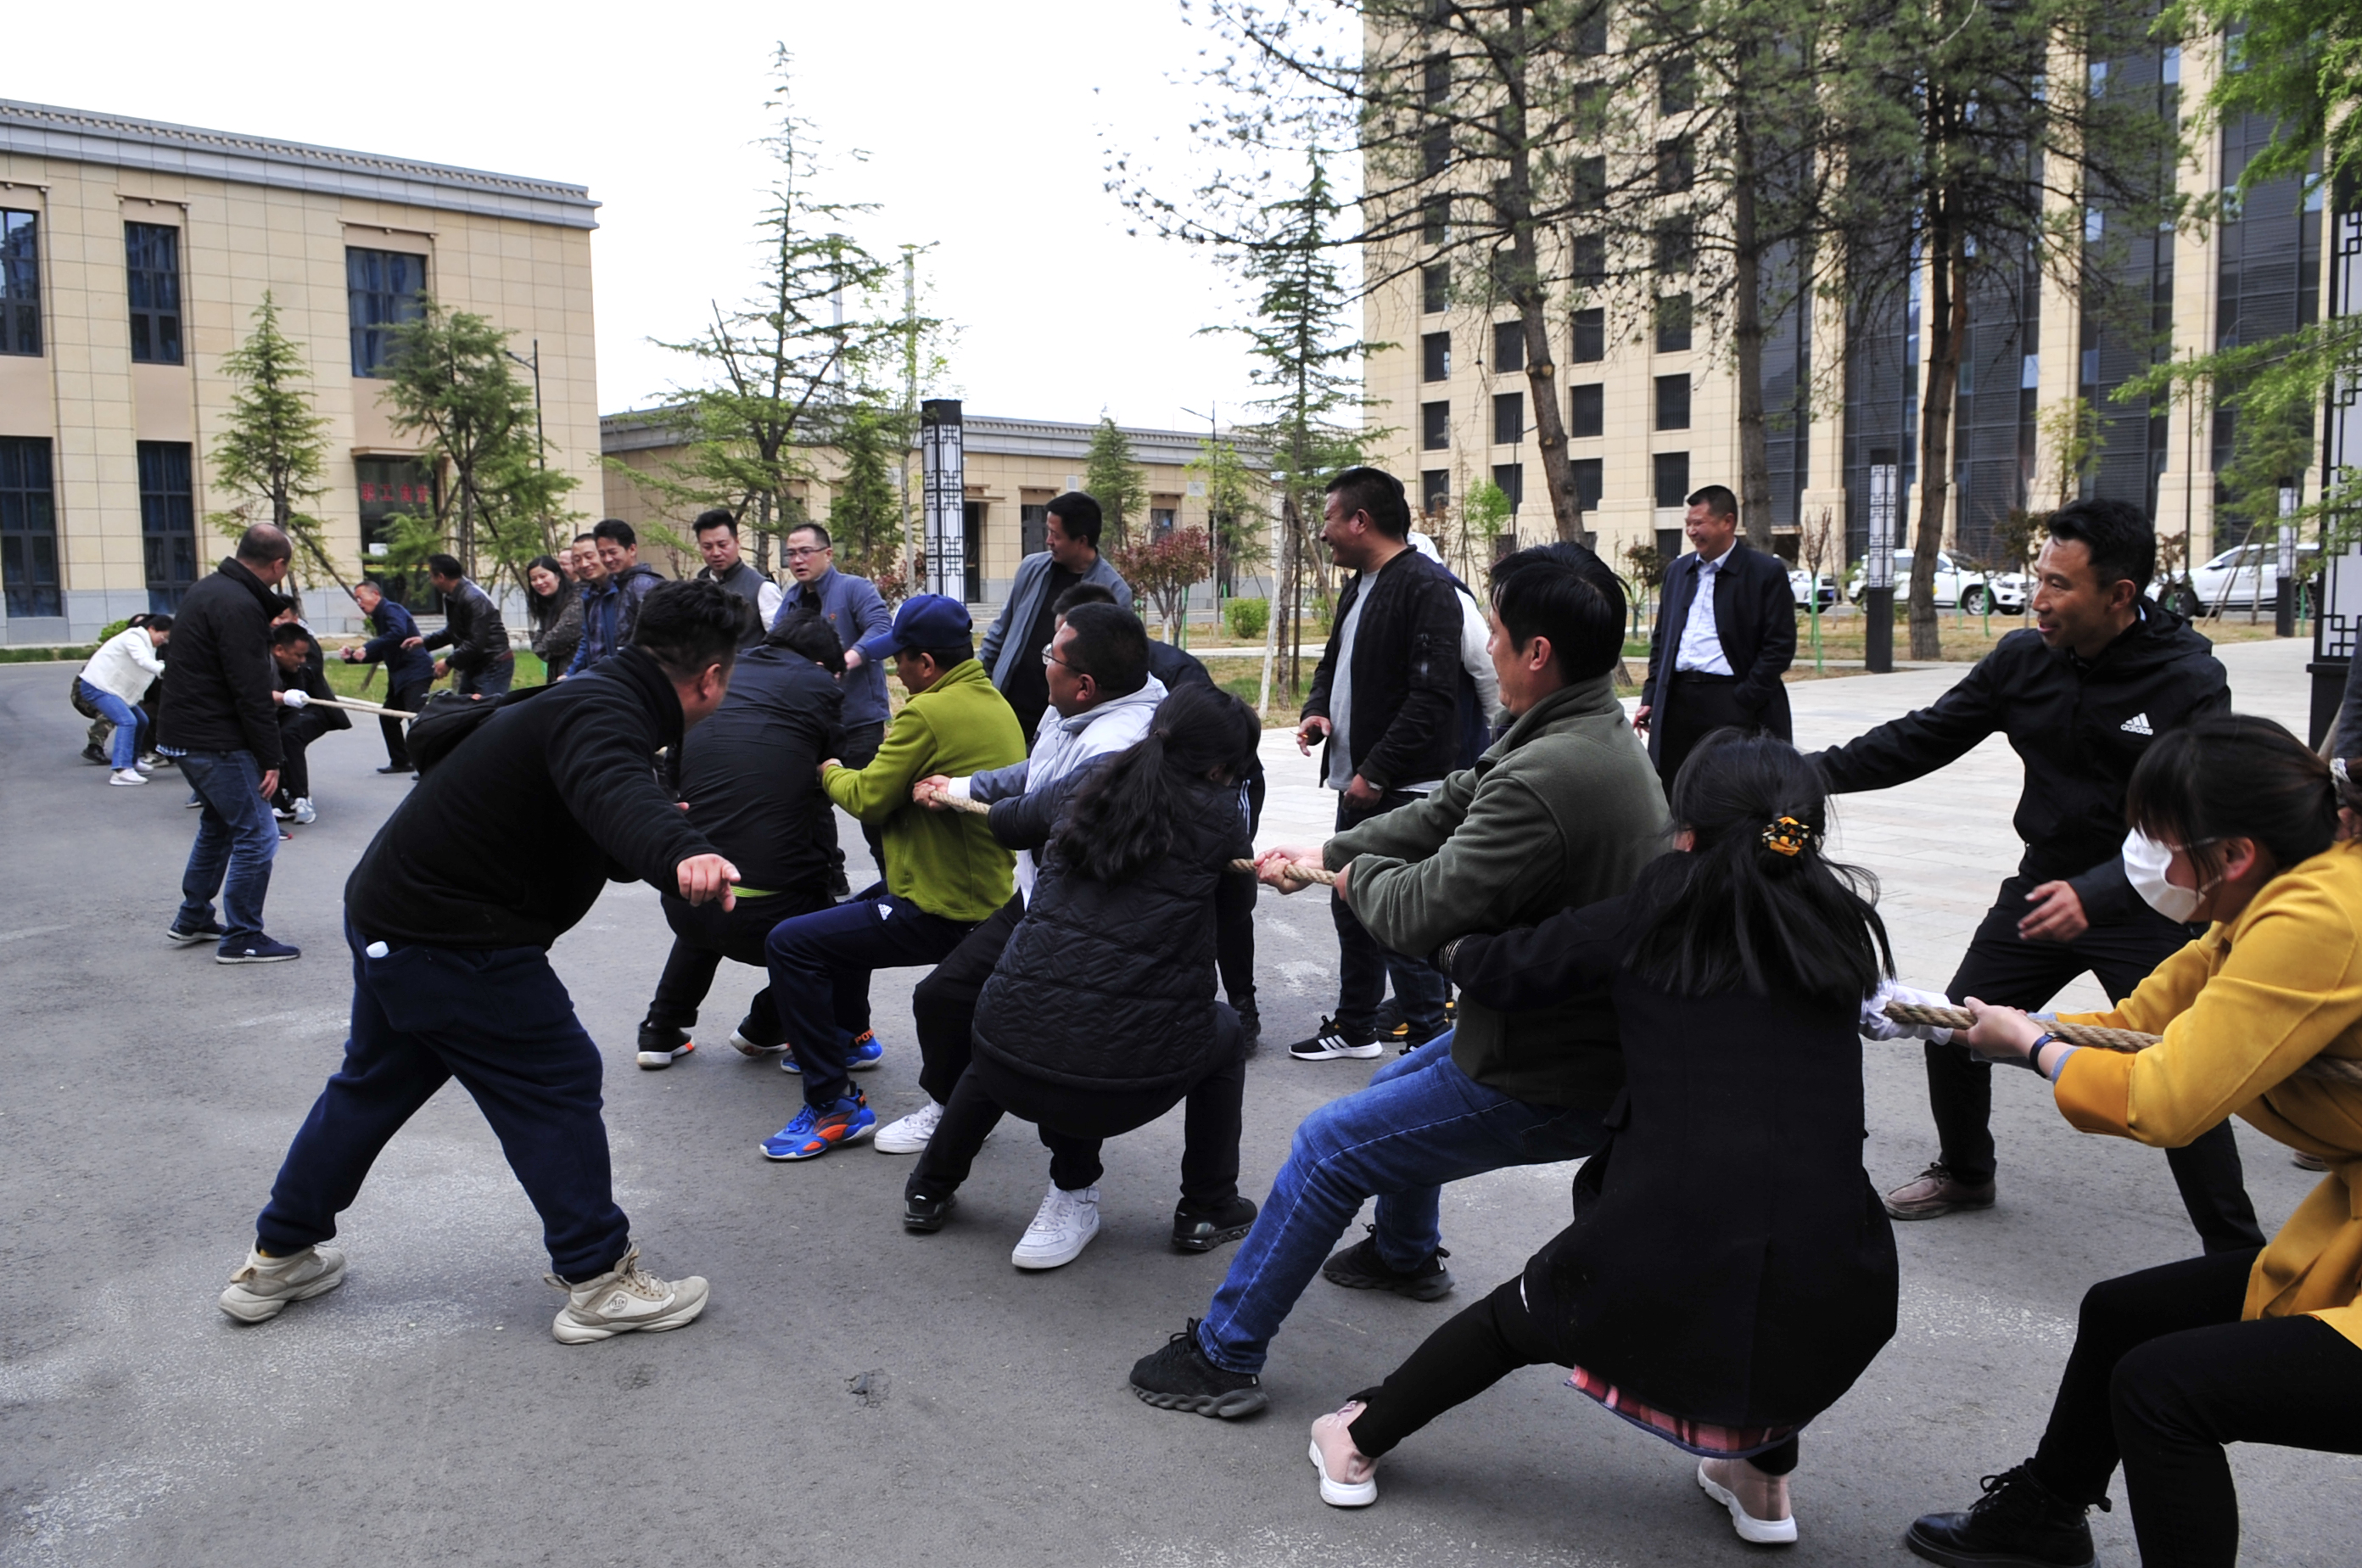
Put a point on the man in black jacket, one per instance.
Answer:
(1726, 634)
(2104, 671)
(750, 779)
(472, 630)
(220, 723)
(301, 720)
(1385, 699)
(502, 848)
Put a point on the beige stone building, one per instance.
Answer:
(1013, 468)
(132, 255)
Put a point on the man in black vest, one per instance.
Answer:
(1726, 633)
(717, 541)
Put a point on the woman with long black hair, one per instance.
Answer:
(552, 608)
(1738, 970)
(1100, 1016)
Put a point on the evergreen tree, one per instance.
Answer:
(274, 448)
(864, 511)
(1115, 481)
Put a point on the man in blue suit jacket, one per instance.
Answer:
(1716, 658)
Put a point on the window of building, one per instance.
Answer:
(1672, 402)
(1673, 479)
(152, 260)
(1508, 418)
(1677, 86)
(1511, 479)
(20, 282)
(1435, 426)
(1586, 408)
(1676, 246)
(28, 529)
(1673, 323)
(1435, 357)
(1590, 340)
(1676, 166)
(1589, 192)
(1591, 32)
(1435, 220)
(1587, 260)
(1589, 474)
(1161, 520)
(1032, 529)
(1438, 85)
(168, 522)
(1435, 287)
(1508, 346)
(390, 489)
(1434, 490)
(972, 550)
(383, 289)
(1435, 149)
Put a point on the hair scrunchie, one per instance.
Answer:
(1788, 836)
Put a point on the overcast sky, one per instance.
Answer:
(985, 129)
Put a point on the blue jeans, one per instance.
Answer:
(1363, 965)
(1420, 1123)
(236, 833)
(128, 721)
(500, 1021)
(819, 966)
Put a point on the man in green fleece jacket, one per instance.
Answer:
(945, 871)
(1563, 811)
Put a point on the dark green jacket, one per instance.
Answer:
(1561, 811)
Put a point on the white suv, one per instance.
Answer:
(2244, 576)
(1968, 592)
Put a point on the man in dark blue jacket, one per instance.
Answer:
(409, 668)
(1726, 634)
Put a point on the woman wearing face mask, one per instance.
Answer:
(2235, 822)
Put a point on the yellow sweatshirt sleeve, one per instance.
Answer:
(876, 792)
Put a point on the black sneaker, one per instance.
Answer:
(663, 1047)
(395, 767)
(926, 1214)
(189, 936)
(1329, 1042)
(1180, 1377)
(258, 950)
(1359, 1268)
(2018, 1523)
(1396, 1027)
(92, 754)
(1203, 1229)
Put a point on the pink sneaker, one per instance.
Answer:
(1349, 1478)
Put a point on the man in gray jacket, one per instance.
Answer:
(1563, 811)
(1012, 649)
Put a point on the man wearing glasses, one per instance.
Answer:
(852, 607)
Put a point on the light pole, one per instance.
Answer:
(1213, 534)
(540, 436)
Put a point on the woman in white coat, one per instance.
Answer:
(115, 678)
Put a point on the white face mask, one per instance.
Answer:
(2146, 861)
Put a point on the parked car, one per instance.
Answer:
(2244, 576)
(1806, 588)
(1955, 588)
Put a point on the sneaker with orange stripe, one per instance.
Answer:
(816, 1130)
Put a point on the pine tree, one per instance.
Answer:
(1113, 479)
(274, 448)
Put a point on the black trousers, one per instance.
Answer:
(1074, 1121)
(861, 744)
(1701, 704)
(1234, 933)
(2002, 967)
(942, 1006)
(1364, 966)
(703, 935)
(1475, 1350)
(409, 695)
(2164, 1375)
(297, 730)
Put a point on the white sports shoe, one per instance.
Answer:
(1722, 1479)
(1062, 1227)
(910, 1135)
(624, 1299)
(303, 812)
(262, 1287)
(126, 776)
(749, 1048)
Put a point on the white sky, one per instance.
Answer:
(984, 127)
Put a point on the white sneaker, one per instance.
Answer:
(1349, 1478)
(305, 814)
(126, 776)
(910, 1135)
(1062, 1227)
(1781, 1531)
(624, 1299)
(262, 1287)
(749, 1048)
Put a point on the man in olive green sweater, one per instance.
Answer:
(1563, 811)
(945, 871)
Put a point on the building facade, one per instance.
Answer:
(132, 256)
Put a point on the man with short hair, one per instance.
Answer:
(514, 829)
(2104, 671)
(472, 630)
(302, 720)
(409, 668)
(219, 722)
(1012, 649)
(1386, 699)
(717, 541)
(1726, 634)
(1560, 811)
(944, 873)
(852, 610)
(613, 610)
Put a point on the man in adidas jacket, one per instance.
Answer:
(2104, 671)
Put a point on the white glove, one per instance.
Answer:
(294, 697)
(1876, 1025)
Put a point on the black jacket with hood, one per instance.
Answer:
(218, 682)
(1404, 727)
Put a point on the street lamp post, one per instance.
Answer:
(540, 434)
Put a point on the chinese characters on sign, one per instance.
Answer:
(944, 461)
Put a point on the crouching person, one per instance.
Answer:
(504, 846)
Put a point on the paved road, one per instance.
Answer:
(421, 1414)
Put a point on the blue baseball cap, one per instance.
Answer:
(924, 621)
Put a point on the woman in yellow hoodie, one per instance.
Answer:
(2234, 823)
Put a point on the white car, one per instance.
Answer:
(2244, 576)
(1969, 592)
(1801, 586)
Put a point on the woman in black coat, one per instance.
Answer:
(1100, 1016)
(1719, 1315)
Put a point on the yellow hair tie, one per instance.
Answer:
(1787, 836)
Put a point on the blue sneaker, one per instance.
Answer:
(257, 949)
(815, 1131)
(861, 1054)
(189, 936)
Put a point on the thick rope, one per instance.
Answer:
(1297, 871)
(354, 705)
(2327, 1069)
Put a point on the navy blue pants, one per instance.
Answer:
(820, 975)
(499, 1021)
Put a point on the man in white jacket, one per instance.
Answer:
(1103, 700)
(114, 680)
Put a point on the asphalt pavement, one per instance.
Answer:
(854, 1393)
